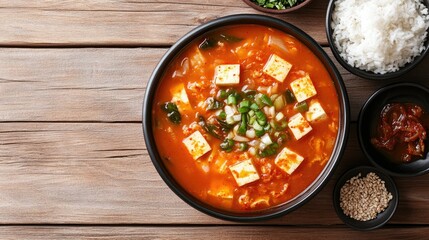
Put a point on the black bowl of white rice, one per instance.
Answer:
(378, 39)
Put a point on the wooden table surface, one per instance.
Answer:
(73, 163)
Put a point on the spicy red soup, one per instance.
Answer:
(245, 118)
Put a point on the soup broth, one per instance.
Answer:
(245, 118)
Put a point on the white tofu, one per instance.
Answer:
(288, 160)
(277, 67)
(299, 126)
(315, 112)
(227, 74)
(180, 97)
(303, 88)
(196, 144)
(244, 172)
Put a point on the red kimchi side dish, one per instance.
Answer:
(245, 118)
(401, 132)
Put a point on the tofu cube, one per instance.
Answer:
(315, 112)
(303, 88)
(180, 97)
(227, 74)
(277, 67)
(288, 160)
(299, 126)
(244, 172)
(196, 145)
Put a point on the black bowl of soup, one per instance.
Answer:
(245, 118)
(392, 129)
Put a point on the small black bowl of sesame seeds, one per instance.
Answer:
(365, 198)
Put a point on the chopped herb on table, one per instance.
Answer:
(277, 4)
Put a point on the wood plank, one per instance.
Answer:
(97, 84)
(216, 232)
(100, 173)
(127, 23)
(74, 84)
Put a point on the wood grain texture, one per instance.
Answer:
(100, 173)
(126, 23)
(73, 162)
(108, 84)
(74, 84)
(207, 232)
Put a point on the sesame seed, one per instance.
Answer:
(362, 198)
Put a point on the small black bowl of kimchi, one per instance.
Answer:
(393, 126)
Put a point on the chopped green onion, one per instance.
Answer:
(266, 100)
(290, 97)
(222, 94)
(279, 126)
(260, 117)
(251, 113)
(251, 133)
(269, 150)
(172, 111)
(266, 139)
(254, 106)
(252, 119)
(229, 120)
(227, 145)
(243, 125)
(257, 127)
(267, 127)
(243, 146)
(259, 133)
(301, 106)
(279, 102)
(245, 103)
(231, 99)
(244, 106)
(279, 116)
(222, 115)
(243, 109)
(258, 101)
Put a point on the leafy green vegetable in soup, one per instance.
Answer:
(172, 112)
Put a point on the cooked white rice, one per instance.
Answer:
(379, 35)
